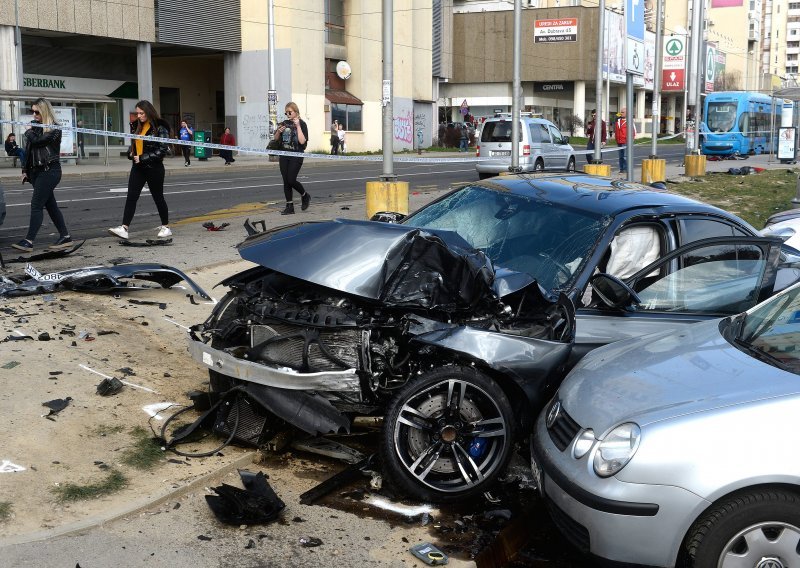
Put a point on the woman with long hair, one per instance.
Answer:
(147, 168)
(293, 136)
(42, 168)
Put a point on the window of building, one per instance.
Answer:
(791, 44)
(791, 69)
(794, 5)
(334, 22)
(349, 115)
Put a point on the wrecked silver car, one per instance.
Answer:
(457, 324)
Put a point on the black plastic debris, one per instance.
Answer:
(344, 477)
(250, 543)
(203, 537)
(106, 332)
(44, 336)
(18, 338)
(127, 371)
(161, 305)
(54, 373)
(387, 217)
(57, 405)
(108, 387)
(256, 503)
(47, 255)
(210, 226)
(310, 541)
(147, 243)
(251, 227)
(10, 365)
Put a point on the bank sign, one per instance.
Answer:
(555, 30)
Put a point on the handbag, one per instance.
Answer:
(275, 145)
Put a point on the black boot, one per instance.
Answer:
(305, 199)
(288, 210)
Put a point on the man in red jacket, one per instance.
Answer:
(621, 135)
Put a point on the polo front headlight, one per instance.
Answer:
(617, 449)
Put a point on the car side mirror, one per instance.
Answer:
(614, 292)
(564, 140)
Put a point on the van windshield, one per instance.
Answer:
(498, 131)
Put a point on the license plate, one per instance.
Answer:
(501, 152)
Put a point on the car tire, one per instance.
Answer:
(571, 165)
(483, 175)
(755, 524)
(538, 166)
(424, 420)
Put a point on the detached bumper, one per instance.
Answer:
(279, 377)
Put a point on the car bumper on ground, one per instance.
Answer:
(622, 522)
(279, 377)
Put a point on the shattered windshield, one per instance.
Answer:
(773, 329)
(518, 232)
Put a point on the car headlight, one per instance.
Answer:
(617, 449)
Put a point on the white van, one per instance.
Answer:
(541, 146)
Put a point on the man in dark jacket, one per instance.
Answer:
(590, 133)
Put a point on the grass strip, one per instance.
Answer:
(113, 482)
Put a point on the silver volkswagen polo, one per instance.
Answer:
(682, 446)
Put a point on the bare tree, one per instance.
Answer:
(572, 122)
(728, 81)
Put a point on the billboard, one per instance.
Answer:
(726, 3)
(614, 47)
(634, 32)
(555, 30)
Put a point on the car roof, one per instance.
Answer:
(600, 195)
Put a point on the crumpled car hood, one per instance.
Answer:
(393, 264)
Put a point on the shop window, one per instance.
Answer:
(349, 115)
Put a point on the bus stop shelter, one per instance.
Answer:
(9, 97)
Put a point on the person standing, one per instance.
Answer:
(590, 134)
(340, 133)
(621, 133)
(12, 149)
(334, 138)
(148, 167)
(42, 169)
(463, 141)
(81, 140)
(186, 133)
(228, 140)
(293, 136)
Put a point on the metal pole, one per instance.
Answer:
(694, 69)
(515, 89)
(388, 111)
(272, 94)
(771, 137)
(598, 99)
(630, 124)
(657, 82)
(105, 127)
(701, 72)
(18, 44)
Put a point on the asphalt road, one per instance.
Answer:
(91, 207)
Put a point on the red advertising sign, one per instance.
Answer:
(673, 80)
(555, 30)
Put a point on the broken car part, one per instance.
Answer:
(429, 554)
(210, 226)
(252, 229)
(346, 476)
(147, 243)
(256, 503)
(108, 387)
(47, 255)
(99, 279)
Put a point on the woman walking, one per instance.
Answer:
(293, 135)
(186, 133)
(42, 168)
(228, 140)
(148, 167)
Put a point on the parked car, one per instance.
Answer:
(457, 324)
(678, 448)
(541, 146)
(785, 224)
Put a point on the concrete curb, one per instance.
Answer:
(131, 508)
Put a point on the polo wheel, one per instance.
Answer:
(538, 166)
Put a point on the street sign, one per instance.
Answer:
(634, 32)
(464, 108)
(711, 67)
(555, 30)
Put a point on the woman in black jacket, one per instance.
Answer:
(148, 167)
(42, 168)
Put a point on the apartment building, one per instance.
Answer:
(208, 61)
(780, 50)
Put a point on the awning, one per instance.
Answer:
(792, 93)
(60, 96)
(342, 97)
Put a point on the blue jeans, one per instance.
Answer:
(590, 146)
(463, 145)
(21, 154)
(623, 163)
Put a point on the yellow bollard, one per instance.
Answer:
(387, 196)
(597, 169)
(695, 166)
(654, 169)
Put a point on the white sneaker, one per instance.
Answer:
(164, 232)
(120, 232)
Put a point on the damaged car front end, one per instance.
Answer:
(413, 324)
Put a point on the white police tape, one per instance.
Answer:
(267, 152)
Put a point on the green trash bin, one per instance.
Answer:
(200, 152)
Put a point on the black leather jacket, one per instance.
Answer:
(152, 152)
(41, 148)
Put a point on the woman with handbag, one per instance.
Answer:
(292, 134)
(42, 168)
(147, 168)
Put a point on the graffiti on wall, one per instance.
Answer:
(255, 127)
(403, 128)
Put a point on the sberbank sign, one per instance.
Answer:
(36, 82)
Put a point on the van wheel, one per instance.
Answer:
(482, 175)
(538, 166)
(571, 165)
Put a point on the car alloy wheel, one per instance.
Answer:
(538, 166)
(758, 528)
(447, 434)
(571, 165)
